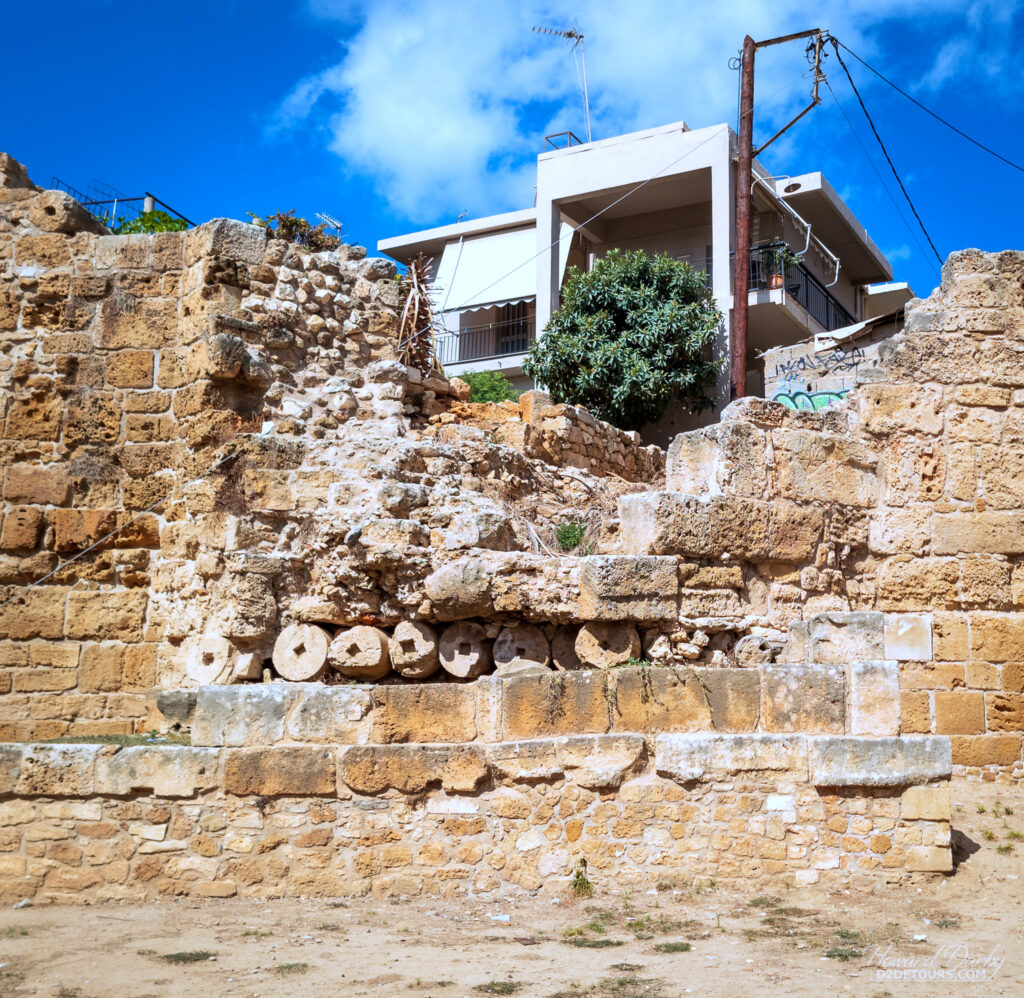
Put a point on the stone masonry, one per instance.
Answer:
(228, 510)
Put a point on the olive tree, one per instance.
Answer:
(630, 335)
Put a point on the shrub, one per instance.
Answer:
(630, 335)
(284, 225)
(149, 221)
(489, 386)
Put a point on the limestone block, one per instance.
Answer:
(734, 697)
(755, 649)
(663, 523)
(919, 583)
(432, 712)
(413, 650)
(688, 758)
(997, 637)
(563, 649)
(806, 698)
(886, 409)
(600, 762)
(628, 588)
(986, 750)
(106, 615)
(656, 699)
(794, 531)
(990, 532)
(605, 646)
(177, 706)
(929, 859)
(959, 712)
(521, 645)
(878, 762)
(925, 804)
(838, 638)
(31, 483)
(901, 530)
(360, 652)
(489, 691)
(465, 650)
(729, 457)
(300, 652)
(272, 772)
(210, 659)
(525, 761)
(824, 467)
(227, 238)
(460, 589)
(908, 637)
(874, 698)
(242, 715)
(50, 770)
(164, 770)
(326, 714)
(374, 769)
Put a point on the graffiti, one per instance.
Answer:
(836, 361)
(810, 400)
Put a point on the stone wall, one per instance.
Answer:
(130, 366)
(893, 521)
(95, 823)
(561, 435)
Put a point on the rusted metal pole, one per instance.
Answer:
(741, 272)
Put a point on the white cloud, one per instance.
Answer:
(445, 105)
(897, 253)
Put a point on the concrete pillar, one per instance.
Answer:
(549, 220)
(723, 230)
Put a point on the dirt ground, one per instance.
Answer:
(618, 944)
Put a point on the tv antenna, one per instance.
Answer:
(575, 36)
(331, 221)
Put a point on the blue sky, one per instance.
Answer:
(394, 115)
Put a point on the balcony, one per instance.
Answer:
(490, 341)
(769, 271)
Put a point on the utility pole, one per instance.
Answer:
(741, 273)
(744, 171)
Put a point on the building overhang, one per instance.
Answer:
(836, 226)
(431, 242)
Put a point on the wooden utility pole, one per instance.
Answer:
(741, 262)
(744, 170)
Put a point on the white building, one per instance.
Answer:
(665, 190)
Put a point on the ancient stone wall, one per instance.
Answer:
(130, 366)
(562, 435)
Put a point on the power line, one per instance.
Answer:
(619, 200)
(881, 181)
(928, 110)
(885, 151)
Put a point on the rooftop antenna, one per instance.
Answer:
(575, 36)
(331, 221)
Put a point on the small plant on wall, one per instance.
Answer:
(489, 386)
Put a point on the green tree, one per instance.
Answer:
(489, 386)
(630, 335)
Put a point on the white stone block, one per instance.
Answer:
(908, 637)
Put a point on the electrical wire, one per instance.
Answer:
(885, 152)
(881, 180)
(928, 110)
(575, 228)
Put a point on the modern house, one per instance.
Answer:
(665, 190)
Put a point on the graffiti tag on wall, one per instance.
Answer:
(837, 361)
(812, 401)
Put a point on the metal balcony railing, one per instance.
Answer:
(769, 270)
(486, 342)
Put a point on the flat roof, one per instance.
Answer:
(432, 241)
(615, 140)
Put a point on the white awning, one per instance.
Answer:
(495, 269)
(499, 268)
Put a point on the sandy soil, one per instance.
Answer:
(800, 942)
